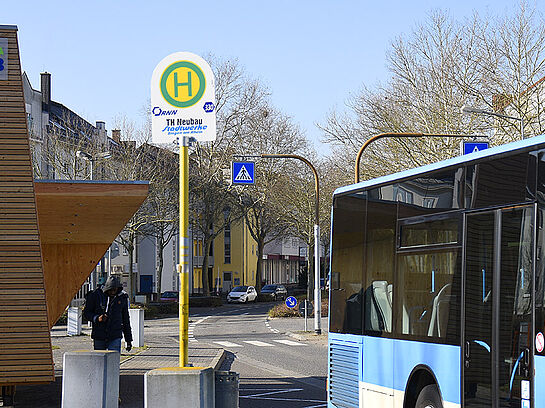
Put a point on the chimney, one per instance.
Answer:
(101, 132)
(45, 82)
(116, 135)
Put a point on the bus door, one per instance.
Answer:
(497, 308)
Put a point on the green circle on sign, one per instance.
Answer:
(166, 74)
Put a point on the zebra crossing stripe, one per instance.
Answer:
(289, 343)
(258, 343)
(227, 344)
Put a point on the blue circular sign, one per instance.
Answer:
(291, 302)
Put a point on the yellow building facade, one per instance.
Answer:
(232, 262)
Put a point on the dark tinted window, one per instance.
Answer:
(347, 263)
(444, 230)
(240, 289)
(429, 276)
(434, 192)
(501, 181)
(269, 287)
(379, 255)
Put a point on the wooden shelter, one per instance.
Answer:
(52, 235)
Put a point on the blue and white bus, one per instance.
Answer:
(437, 284)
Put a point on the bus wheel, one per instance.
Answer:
(429, 397)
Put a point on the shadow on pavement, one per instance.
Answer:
(131, 391)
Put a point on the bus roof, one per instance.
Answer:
(497, 151)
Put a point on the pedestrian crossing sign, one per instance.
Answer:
(473, 146)
(243, 173)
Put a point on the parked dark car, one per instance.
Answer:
(274, 291)
(169, 296)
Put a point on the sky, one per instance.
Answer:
(311, 54)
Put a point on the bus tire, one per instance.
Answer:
(429, 397)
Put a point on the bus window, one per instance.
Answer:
(347, 264)
(426, 282)
(379, 263)
(503, 181)
(428, 279)
(428, 194)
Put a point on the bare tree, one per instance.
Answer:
(492, 63)
(262, 204)
(239, 101)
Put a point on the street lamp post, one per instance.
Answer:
(469, 110)
(317, 293)
(92, 159)
(384, 135)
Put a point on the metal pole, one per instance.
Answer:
(383, 135)
(183, 266)
(306, 315)
(317, 290)
(317, 293)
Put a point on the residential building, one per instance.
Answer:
(284, 259)
(232, 260)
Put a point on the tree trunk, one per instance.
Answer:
(159, 267)
(259, 266)
(204, 273)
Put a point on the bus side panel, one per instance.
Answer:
(377, 382)
(539, 364)
(442, 359)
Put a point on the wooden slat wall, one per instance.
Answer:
(25, 343)
(66, 267)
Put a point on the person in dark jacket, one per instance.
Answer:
(108, 310)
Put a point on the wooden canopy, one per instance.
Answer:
(78, 220)
(52, 234)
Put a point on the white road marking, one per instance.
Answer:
(258, 343)
(190, 328)
(227, 344)
(289, 343)
(273, 391)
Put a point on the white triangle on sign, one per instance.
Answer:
(476, 149)
(243, 175)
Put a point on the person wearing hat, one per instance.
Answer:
(108, 310)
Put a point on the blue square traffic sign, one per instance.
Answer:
(472, 147)
(243, 173)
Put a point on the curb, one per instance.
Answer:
(218, 360)
(295, 336)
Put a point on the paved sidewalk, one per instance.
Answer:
(294, 327)
(161, 350)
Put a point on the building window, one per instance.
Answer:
(227, 244)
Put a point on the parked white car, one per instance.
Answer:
(242, 294)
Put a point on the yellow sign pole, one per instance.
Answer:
(183, 266)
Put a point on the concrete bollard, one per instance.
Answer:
(180, 387)
(74, 321)
(90, 379)
(137, 327)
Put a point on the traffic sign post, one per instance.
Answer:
(243, 173)
(306, 308)
(183, 109)
(291, 302)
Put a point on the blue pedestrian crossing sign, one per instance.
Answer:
(291, 302)
(243, 173)
(472, 147)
